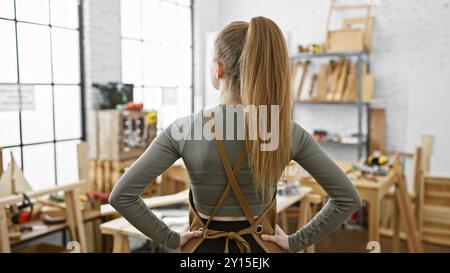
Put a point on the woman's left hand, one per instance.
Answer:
(280, 238)
(186, 236)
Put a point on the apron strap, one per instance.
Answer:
(231, 178)
(237, 167)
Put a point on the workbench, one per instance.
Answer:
(370, 191)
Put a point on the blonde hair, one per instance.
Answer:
(256, 65)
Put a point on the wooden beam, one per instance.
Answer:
(12, 199)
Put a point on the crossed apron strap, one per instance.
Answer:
(230, 175)
(241, 243)
(237, 167)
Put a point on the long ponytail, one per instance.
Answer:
(265, 81)
(256, 65)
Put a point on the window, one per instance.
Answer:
(157, 55)
(40, 48)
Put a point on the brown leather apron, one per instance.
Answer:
(263, 224)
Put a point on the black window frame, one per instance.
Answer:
(192, 47)
(52, 84)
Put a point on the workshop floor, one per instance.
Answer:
(355, 241)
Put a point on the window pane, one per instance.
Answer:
(35, 11)
(183, 2)
(9, 134)
(8, 67)
(182, 22)
(184, 101)
(67, 112)
(155, 64)
(67, 162)
(138, 95)
(39, 165)
(167, 65)
(131, 18)
(181, 74)
(152, 98)
(7, 9)
(168, 22)
(151, 21)
(64, 13)
(176, 103)
(131, 62)
(34, 53)
(66, 56)
(7, 156)
(37, 124)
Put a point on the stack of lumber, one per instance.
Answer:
(336, 81)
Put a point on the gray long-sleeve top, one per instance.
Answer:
(208, 180)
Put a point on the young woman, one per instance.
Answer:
(233, 181)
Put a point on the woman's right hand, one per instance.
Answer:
(280, 238)
(188, 235)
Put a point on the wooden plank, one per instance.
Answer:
(4, 238)
(438, 214)
(352, 82)
(377, 130)
(73, 211)
(312, 88)
(13, 199)
(345, 40)
(323, 81)
(342, 81)
(335, 79)
(99, 176)
(407, 215)
(83, 164)
(436, 239)
(427, 146)
(396, 229)
(93, 135)
(302, 80)
(347, 7)
(153, 202)
(294, 71)
(368, 23)
(107, 176)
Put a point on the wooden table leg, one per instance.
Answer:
(284, 221)
(374, 218)
(303, 213)
(5, 247)
(304, 217)
(121, 244)
(76, 221)
(396, 228)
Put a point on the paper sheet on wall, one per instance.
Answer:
(16, 97)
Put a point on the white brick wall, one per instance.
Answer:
(102, 48)
(410, 61)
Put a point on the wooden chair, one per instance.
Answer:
(421, 167)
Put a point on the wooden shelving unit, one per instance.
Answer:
(360, 56)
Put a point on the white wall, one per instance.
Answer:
(102, 48)
(410, 61)
(206, 19)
